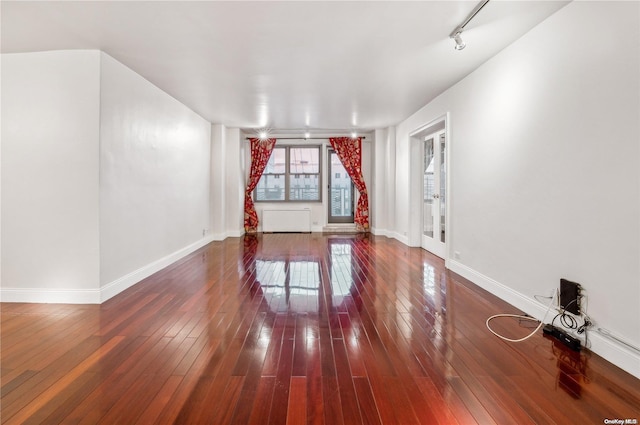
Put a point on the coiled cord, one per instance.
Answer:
(519, 316)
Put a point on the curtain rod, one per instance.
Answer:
(299, 138)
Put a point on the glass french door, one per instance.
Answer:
(341, 209)
(434, 151)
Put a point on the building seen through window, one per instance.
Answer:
(292, 174)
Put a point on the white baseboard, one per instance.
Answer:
(399, 237)
(50, 296)
(227, 234)
(616, 353)
(219, 236)
(235, 233)
(95, 296)
(113, 288)
(381, 232)
(515, 298)
(607, 348)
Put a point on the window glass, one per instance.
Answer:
(304, 187)
(304, 160)
(277, 162)
(270, 188)
(292, 174)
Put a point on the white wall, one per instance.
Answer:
(378, 188)
(383, 179)
(154, 174)
(218, 185)
(545, 168)
(227, 182)
(390, 173)
(234, 183)
(50, 130)
(105, 178)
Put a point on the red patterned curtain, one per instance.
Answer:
(260, 153)
(349, 151)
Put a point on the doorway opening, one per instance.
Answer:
(429, 188)
(434, 204)
(341, 192)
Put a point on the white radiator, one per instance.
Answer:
(286, 220)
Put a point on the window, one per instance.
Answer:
(292, 174)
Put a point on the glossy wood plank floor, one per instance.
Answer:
(298, 329)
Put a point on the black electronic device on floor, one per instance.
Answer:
(562, 336)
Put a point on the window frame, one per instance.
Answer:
(287, 175)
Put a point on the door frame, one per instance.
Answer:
(416, 140)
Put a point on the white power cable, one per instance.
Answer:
(519, 316)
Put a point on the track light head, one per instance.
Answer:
(457, 37)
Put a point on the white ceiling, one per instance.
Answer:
(289, 65)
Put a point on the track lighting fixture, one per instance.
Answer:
(459, 42)
(456, 34)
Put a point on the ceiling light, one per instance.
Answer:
(459, 43)
(456, 34)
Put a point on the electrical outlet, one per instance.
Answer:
(456, 255)
(315, 223)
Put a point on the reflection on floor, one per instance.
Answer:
(298, 329)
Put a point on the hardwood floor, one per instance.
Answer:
(298, 329)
